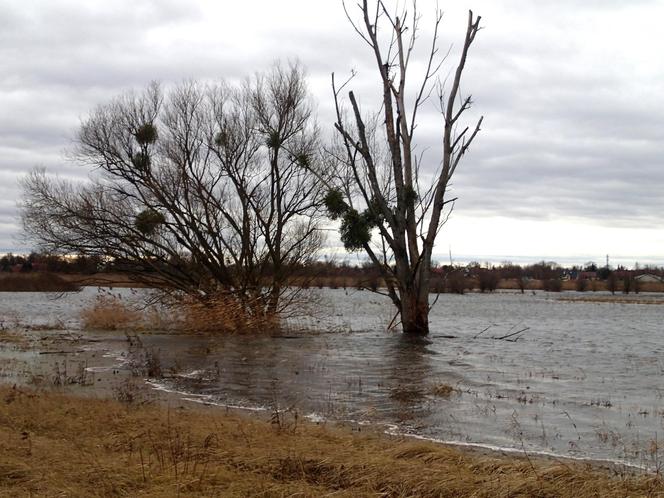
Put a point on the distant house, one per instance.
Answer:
(648, 278)
(579, 275)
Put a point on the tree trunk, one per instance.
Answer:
(400, 206)
(414, 313)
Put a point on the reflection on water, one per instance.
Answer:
(584, 379)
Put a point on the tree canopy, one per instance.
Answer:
(202, 187)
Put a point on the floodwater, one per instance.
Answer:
(569, 378)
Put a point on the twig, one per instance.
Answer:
(511, 335)
(480, 333)
(392, 322)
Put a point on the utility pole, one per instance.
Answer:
(607, 261)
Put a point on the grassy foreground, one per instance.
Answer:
(56, 445)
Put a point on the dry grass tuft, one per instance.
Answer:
(12, 337)
(406, 394)
(57, 445)
(223, 315)
(110, 313)
(613, 299)
(443, 390)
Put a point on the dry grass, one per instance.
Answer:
(591, 286)
(443, 390)
(53, 445)
(613, 299)
(406, 394)
(336, 282)
(651, 287)
(110, 313)
(35, 282)
(8, 336)
(223, 315)
(119, 280)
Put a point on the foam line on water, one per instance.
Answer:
(205, 399)
(515, 451)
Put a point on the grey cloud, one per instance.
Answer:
(569, 132)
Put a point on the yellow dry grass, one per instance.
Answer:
(109, 312)
(13, 337)
(617, 298)
(55, 445)
(223, 315)
(443, 390)
(36, 282)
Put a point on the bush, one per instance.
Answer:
(581, 285)
(487, 281)
(110, 313)
(552, 285)
(437, 284)
(522, 284)
(456, 283)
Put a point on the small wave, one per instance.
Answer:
(100, 369)
(209, 402)
(316, 418)
(205, 399)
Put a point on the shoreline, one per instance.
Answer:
(116, 379)
(57, 281)
(58, 442)
(93, 366)
(391, 431)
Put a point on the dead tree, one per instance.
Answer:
(381, 186)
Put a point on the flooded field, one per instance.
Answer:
(527, 373)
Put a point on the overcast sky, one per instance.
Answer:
(568, 165)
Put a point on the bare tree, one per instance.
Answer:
(384, 189)
(202, 189)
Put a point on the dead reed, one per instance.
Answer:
(220, 315)
(109, 312)
(224, 315)
(54, 445)
(36, 282)
(613, 299)
(443, 390)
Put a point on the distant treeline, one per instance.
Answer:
(546, 275)
(36, 262)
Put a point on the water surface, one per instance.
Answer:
(581, 380)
